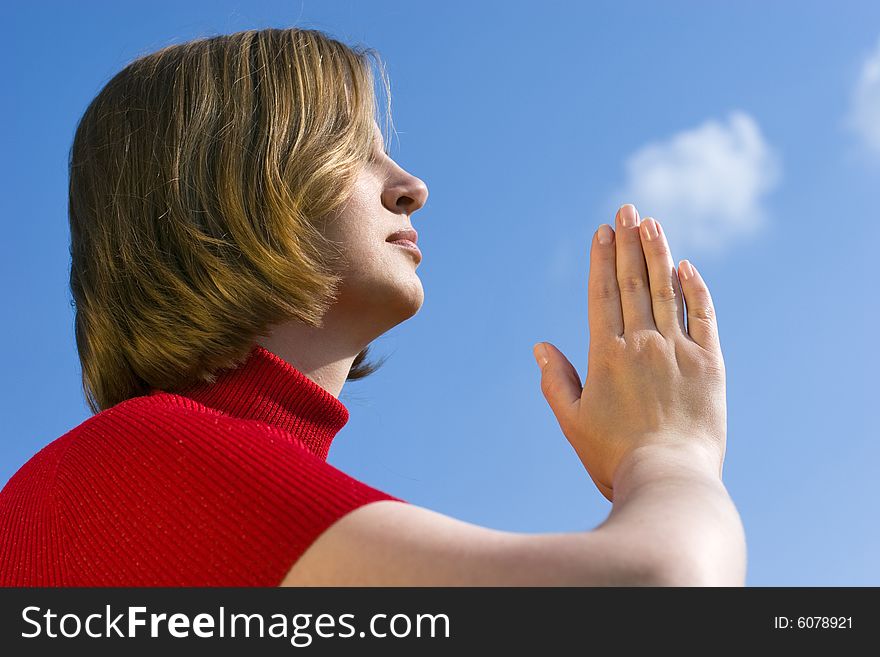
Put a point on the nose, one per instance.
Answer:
(406, 195)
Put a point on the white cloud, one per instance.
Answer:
(704, 185)
(864, 116)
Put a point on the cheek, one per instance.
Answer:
(367, 257)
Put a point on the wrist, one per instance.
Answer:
(663, 459)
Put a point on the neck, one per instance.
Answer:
(324, 354)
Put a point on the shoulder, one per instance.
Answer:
(148, 434)
(161, 491)
(168, 425)
(209, 498)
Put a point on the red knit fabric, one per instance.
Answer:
(222, 484)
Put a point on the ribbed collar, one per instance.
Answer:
(268, 389)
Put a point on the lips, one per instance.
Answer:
(404, 234)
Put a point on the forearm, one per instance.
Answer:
(671, 502)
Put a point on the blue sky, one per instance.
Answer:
(751, 130)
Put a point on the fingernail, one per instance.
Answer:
(687, 270)
(629, 216)
(605, 234)
(540, 352)
(650, 229)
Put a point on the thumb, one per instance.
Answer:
(560, 381)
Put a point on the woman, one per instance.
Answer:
(235, 226)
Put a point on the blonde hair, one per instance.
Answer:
(198, 178)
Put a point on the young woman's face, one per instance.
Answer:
(380, 288)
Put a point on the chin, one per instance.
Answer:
(411, 298)
(388, 302)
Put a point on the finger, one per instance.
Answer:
(666, 296)
(605, 315)
(560, 382)
(702, 322)
(632, 273)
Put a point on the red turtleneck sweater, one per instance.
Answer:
(223, 484)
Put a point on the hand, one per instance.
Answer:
(650, 379)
